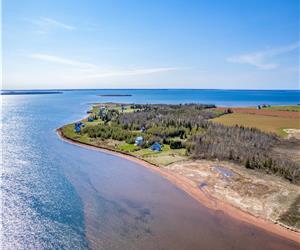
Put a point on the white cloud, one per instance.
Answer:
(44, 25)
(132, 72)
(61, 60)
(90, 70)
(54, 23)
(260, 59)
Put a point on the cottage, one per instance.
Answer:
(138, 141)
(156, 146)
(77, 127)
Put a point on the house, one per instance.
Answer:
(90, 119)
(77, 129)
(77, 126)
(156, 146)
(138, 141)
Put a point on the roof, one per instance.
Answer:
(77, 128)
(156, 146)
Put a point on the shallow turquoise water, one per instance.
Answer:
(60, 196)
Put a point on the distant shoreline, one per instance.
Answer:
(113, 89)
(199, 195)
(115, 95)
(30, 92)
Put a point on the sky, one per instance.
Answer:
(203, 44)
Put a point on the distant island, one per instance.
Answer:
(246, 157)
(115, 95)
(4, 92)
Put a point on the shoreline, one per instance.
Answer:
(198, 194)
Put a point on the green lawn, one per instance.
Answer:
(164, 157)
(128, 147)
(69, 132)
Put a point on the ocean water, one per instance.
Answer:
(217, 97)
(60, 196)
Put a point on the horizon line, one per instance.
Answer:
(86, 89)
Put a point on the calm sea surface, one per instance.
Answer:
(60, 196)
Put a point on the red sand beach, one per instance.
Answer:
(199, 195)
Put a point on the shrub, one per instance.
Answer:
(176, 144)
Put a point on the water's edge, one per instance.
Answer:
(193, 191)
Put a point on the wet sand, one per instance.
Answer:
(199, 195)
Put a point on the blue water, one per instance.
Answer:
(217, 97)
(60, 196)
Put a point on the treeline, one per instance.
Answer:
(246, 146)
(117, 132)
(187, 115)
(105, 131)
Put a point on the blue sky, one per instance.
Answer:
(150, 44)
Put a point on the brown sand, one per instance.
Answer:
(201, 196)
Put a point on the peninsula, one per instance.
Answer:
(29, 92)
(249, 170)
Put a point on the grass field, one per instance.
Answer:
(265, 123)
(163, 158)
(128, 147)
(294, 108)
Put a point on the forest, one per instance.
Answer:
(188, 126)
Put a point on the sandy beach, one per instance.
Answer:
(199, 194)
